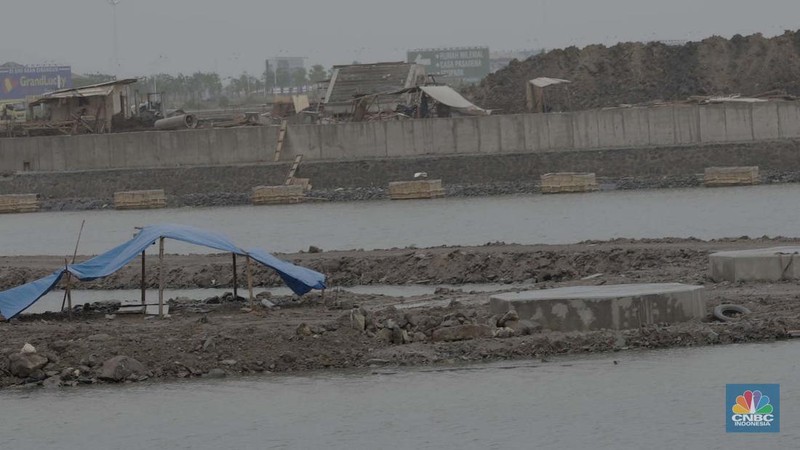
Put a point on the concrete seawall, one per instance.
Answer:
(781, 155)
(539, 134)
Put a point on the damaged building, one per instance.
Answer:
(88, 109)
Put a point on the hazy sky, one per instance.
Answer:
(230, 36)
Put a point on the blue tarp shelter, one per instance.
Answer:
(14, 301)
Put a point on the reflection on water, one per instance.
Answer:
(661, 399)
(525, 219)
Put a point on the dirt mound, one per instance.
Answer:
(630, 73)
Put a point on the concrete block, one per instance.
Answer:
(789, 119)
(537, 134)
(467, 137)
(565, 182)
(512, 134)
(150, 199)
(417, 189)
(489, 134)
(731, 176)
(611, 128)
(277, 195)
(765, 121)
(19, 203)
(687, 124)
(738, 122)
(615, 307)
(584, 130)
(636, 127)
(712, 123)
(661, 120)
(560, 131)
(763, 264)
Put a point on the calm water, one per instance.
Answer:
(656, 400)
(699, 212)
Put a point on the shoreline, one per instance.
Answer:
(372, 193)
(220, 337)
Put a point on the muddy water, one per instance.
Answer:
(663, 399)
(703, 213)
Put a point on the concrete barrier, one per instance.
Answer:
(731, 176)
(763, 264)
(418, 189)
(564, 182)
(19, 203)
(615, 307)
(505, 134)
(277, 195)
(304, 182)
(151, 199)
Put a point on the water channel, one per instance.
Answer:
(648, 399)
(525, 219)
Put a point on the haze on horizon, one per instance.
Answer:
(229, 37)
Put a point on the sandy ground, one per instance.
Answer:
(344, 330)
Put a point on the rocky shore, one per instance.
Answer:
(382, 192)
(226, 336)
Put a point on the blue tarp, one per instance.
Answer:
(14, 301)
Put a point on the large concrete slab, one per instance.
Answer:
(615, 307)
(762, 264)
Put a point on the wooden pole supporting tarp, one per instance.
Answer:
(250, 281)
(144, 284)
(235, 281)
(161, 277)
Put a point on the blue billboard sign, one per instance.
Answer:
(17, 83)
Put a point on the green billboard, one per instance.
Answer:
(455, 65)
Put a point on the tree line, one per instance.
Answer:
(208, 89)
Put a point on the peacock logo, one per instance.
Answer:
(752, 402)
(753, 408)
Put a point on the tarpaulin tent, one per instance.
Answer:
(14, 301)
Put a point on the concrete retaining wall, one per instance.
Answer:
(506, 134)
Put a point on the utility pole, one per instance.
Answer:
(114, 4)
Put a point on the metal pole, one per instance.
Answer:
(235, 281)
(69, 288)
(144, 286)
(250, 281)
(161, 277)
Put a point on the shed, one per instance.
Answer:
(85, 109)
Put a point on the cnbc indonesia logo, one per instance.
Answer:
(753, 410)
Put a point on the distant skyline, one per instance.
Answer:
(230, 37)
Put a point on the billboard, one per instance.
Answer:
(19, 82)
(462, 65)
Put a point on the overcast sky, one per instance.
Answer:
(230, 36)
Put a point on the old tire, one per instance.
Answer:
(719, 312)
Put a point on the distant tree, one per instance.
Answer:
(317, 74)
(299, 77)
(91, 78)
(284, 78)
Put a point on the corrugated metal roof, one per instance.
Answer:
(349, 82)
(94, 90)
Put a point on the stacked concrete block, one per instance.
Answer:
(150, 199)
(564, 182)
(418, 189)
(731, 176)
(19, 203)
(608, 307)
(278, 195)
